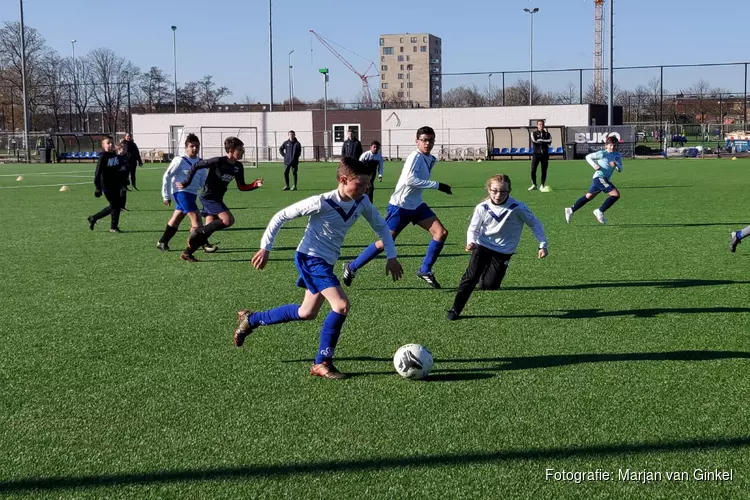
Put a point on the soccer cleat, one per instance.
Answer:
(568, 214)
(209, 248)
(243, 327)
(294, 188)
(452, 315)
(533, 187)
(286, 188)
(349, 275)
(162, 246)
(326, 370)
(545, 189)
(428, 278)
(115, 230)
(733, 241)
(195, 240)
(188, 257)
(92, 222)
(600, 216)
(123, 209)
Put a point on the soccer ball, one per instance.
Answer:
(413, 361)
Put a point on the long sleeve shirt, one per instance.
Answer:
(602, 160)
(330, 218)
(291, 151)
(541, 140)
(369, 156)
(111, 172)
(178, 171)
(415, 177)
(499, 227)
(220, 173)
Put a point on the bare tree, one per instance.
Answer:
(188, 97)
(56, 94)
(208, 95)
(78, 78)
(518, 95)
(571, 95)
(110, 73)
(154, 89)
(464, 97)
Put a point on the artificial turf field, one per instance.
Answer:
(627, 348)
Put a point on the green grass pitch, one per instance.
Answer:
(627, 348)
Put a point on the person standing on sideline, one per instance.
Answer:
(131, 149)
(111, 180)
(541, 138)
(351, 148)
(291, 150)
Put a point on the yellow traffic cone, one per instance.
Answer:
(64, 189)
(20, 178)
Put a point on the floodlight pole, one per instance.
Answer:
(611, 83)
(531, 54)
(324, 72)
(174, 57)
(23, 88)
(270, 50)
(291, 88)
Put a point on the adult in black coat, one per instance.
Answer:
(131, 149)
(291, 150)
(351, 148)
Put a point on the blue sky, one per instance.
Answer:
(229, 38)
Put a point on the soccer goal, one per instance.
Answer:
(212, 142)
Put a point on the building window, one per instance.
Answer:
(383, 76)
(409, 67)
(382, 58)
(384, 67)
(401, 94)
(401, 58)
(382, 42)
(413, 39)
(435, 61)
(408, 76)
(384, 86)
(410, 85)
(387, 51)
(400, 76)
(402, 84)
(423, 48)
(407, 58)
(424, 39)
(401, 40)
(401, 49)
(415, 48)
(382, 94)
(435, 78)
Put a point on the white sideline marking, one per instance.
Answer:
(46, 185)
(71, 172)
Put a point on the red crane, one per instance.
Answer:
(367, 96)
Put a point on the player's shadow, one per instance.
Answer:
(293, 470)
(669, 283)
(683, 224)
(634, 313)
(446, 367)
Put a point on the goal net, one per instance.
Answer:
(212, 141)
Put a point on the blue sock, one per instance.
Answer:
(366, 256)
(433, 252)
(738, 234)
(611, 200)
(579, 203)
(281, 314)
(329, 336)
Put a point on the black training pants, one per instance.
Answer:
(535, 161)
(117, 200)
(293, 167)
(486, 266)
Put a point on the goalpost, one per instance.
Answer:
(212, 142)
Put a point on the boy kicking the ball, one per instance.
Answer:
(604, 163)
(331, 215)
(221, 171)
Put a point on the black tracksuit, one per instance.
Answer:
(541, 140)
(131, 149)
(111, 179)
(351, 148)
(291, 150)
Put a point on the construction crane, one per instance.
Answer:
(598, 52)
(366, 95)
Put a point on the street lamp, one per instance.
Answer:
(23, 87)
(489, 85)
(291, 84)
(174, 55)
(324, 72)
(531, 13)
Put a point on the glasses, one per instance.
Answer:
(432, 139)
(495, 191)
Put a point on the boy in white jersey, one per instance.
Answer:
(184, 198)
(331, 215)
(373, 159)
(493, 236)
(604, 163)
(406, 207)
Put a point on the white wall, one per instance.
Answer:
(152, 131)
(465, 127)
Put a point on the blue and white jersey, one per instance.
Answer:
(602, 159)
(369, 156)
(178, 172)
(415, 176)
(499, 227)
(330, 220)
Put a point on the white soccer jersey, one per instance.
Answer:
(415, 176)
(330, 220)
(499, 227)
(369, 156)
(177, 172)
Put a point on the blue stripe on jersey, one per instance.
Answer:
(501, 218)
(337, 207)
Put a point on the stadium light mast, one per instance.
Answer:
(23, 87)
(611, 69)
(531, 13)
(270, 50)
(291, 85)
(324, 72)
(174, 56)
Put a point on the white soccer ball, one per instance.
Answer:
(413, 361)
